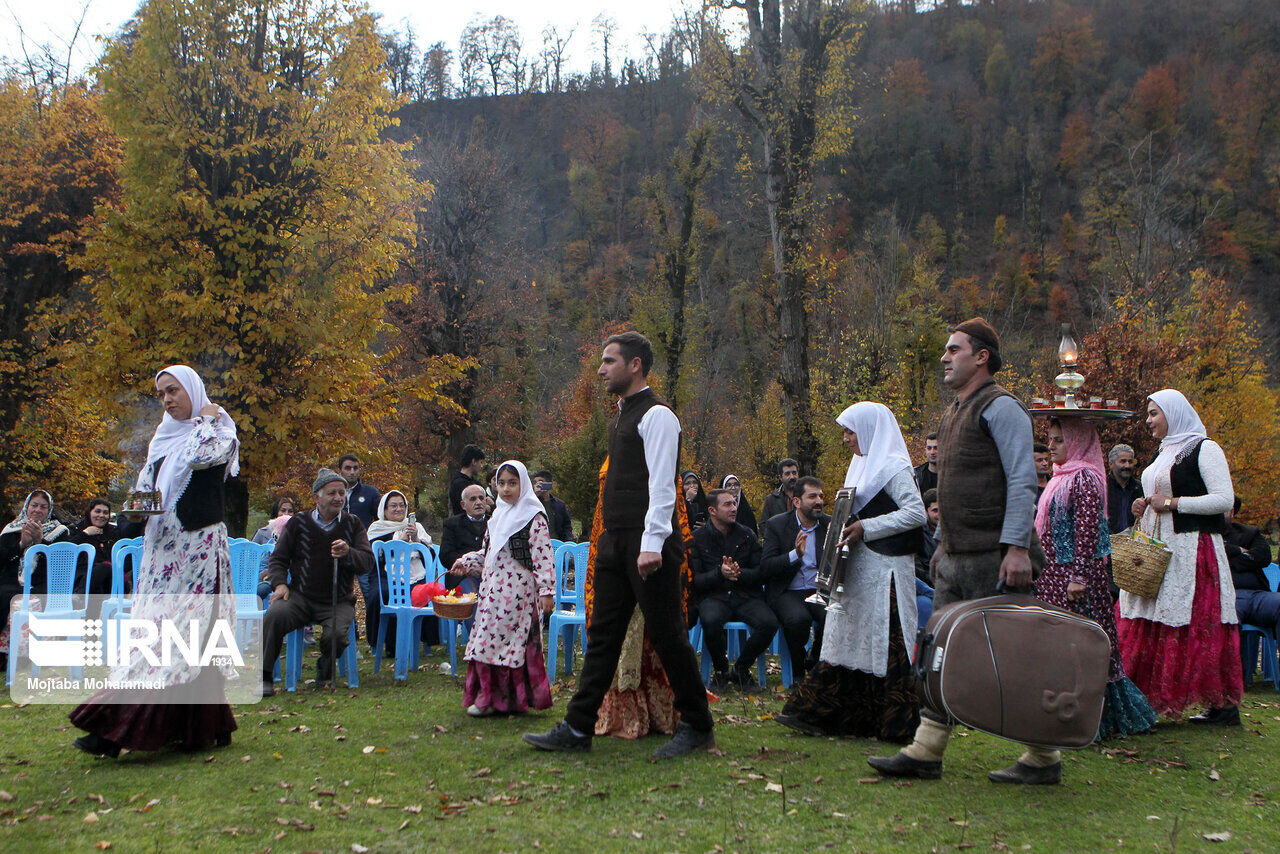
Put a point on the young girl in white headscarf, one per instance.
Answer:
(1182, 648)
(863, 685)
(184, 576)
(507, 672)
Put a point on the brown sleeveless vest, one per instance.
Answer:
(971, 482)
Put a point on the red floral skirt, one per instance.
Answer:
(1195, 665)
(509, 689)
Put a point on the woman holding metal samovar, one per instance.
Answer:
(863, 685)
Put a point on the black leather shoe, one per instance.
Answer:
(268, 687)
(561, 738)
(745, 680)
(1228, 716)
(902, 765)
(97, 745)
(686, 740)
(1050, 775)
(799, 725)
(719, 681)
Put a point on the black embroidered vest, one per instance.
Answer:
(1187, 481)
(203, 502)
(625, 497)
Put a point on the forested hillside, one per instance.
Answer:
(1033, 162)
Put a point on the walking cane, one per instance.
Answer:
(333, 643)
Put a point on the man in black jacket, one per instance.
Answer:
(557, 511)
(927, 472)
(1249, 554)
(300, 572)
(792, 547)
(779, 501)
(463, 533)
(468, 473)
(728, 579)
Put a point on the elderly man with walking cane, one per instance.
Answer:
(311, 572)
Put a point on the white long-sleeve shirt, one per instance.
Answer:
(660, 431)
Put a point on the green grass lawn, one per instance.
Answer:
(389, 768)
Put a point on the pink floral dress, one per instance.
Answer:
(507, 671)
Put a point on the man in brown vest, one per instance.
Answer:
(638, 559)
(986, 497)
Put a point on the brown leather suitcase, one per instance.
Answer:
(1015, 667)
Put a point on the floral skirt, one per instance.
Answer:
(509, 689)
(1178, 667)
(849, 702)
(1125, 711)
(635, 712)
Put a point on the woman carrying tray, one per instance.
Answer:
(1071, 521)
(1182, 648)
(507, 672)
(184, 576)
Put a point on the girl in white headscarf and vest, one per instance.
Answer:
(863, 685)
(506, 671)
(1182, 648)
(184, 577)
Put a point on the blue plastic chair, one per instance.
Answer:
(123, 552)
(735, 631)
(1254, 637)
(247, 558)
(555, 545)
(395, 564)
(59, 599)
(570, 613)
(294, 647)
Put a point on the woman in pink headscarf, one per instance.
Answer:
(1071, 520)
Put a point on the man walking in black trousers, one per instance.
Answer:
(638, 559)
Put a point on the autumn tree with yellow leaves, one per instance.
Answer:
(260, 210)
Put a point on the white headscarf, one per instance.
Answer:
(382, 525)
(1184, 422)
(507, 518)
(883, 452)
(171, 435)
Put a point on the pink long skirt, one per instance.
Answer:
(509, 689)
(1196, 665)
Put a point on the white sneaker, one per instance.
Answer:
(477, 712)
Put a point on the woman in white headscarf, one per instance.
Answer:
(184, 576)
(1182, 648)
(507, 672)
(863, 685)
(393, 523)
(35, 525)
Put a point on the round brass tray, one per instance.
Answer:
(1082, 414)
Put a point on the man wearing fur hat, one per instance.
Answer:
(300, 573)
(986, 497)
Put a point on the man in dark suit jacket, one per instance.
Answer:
(792, 548)
(464, 532)
(728, 579)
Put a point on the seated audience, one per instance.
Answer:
(283, 507)
(728, 584)
(96, 530)
(695, 500)
(924, 582)
(927, 472)
(779, 501)
(301, 571)
(392, 523)
(36, 524)
(1249, 554)
(746, 515)
(557, 511)
(792, 546)
(464, 532)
